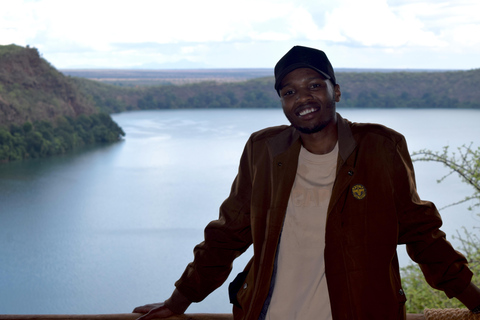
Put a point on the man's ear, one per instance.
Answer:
(337, 92)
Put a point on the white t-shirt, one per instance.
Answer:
(300, 290)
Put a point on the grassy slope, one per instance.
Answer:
(32, 90)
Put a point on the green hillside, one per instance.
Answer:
(42, 112)
(31, 89)
(452, 89)
(255, 93)
(448, 89)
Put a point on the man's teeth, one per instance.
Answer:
(306, 111)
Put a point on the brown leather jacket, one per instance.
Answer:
(374, 207)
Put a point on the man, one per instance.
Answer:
(324, 202)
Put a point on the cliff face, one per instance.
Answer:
(32, 90)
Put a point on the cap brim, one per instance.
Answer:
(295, 66)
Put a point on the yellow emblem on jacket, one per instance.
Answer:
(359, 192)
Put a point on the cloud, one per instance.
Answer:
(449, 21)
(374, 23)
(15, 25)
(96, 23)
(237, 33)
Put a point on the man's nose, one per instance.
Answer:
(303, 94)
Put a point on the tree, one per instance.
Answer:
(27, 127)
(465, 163)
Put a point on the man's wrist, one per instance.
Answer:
(177, 303)
(470, 297)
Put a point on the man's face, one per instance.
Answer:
(308, 100)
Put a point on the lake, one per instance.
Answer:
(106, 229)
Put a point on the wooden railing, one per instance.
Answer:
(133, 316)
(120, 316)
(429, 314)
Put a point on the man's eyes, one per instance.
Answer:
(316, 85)
(287, 92)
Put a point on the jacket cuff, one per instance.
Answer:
(177, 303)
(470, 297)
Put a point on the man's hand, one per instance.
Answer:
(153, 311)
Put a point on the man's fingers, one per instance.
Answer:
(146, 308)
(153, 311)
(161, 312)
(140, 310)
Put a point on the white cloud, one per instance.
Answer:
(373, 23)
(239, 33)
(96, 22)
(453, 23)
(15, 24)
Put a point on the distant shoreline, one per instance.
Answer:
(227, 72)
(186, 76)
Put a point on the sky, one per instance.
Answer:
(191, 34)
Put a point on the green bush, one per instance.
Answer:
(465, 162)
(419, 293)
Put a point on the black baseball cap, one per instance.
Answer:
(303, 57)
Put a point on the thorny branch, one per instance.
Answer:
(466, 164)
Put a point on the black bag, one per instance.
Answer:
(235, 286)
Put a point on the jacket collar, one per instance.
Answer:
(281, 142)
(346, 142)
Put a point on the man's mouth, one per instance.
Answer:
(306, 111)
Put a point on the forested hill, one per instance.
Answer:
(434, 89)
(32, 90)
(42, 112)
(150, 89)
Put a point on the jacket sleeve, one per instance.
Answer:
(225, 239)
(419, 222)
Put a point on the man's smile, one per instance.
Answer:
(306, 111)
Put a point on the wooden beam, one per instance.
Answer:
(120, 316)
(133, 316)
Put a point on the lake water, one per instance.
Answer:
(110, 228)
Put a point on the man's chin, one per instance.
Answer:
(310, 130)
